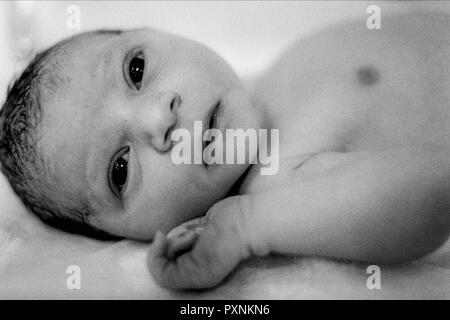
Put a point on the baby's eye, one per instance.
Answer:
(118, 172)
(133, 70)
(136, 70)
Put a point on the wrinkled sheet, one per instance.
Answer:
(34, 259)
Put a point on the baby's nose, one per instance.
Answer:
(159, 118)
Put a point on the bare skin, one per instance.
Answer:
(101, 113)
(364, 174)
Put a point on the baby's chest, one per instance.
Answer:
(369, 91)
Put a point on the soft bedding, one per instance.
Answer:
(36, 261)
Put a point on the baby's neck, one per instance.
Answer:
(237, 185)
(250, 85)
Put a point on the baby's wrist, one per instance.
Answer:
(227, 222)
(252, 234)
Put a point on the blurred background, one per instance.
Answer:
(248, 34)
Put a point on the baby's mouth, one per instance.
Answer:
(214, 122)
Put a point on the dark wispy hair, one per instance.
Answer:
(20, 162)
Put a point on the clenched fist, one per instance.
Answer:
(203, 256)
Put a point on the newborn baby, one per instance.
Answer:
(364, 122)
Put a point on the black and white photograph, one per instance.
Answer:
(224, 150)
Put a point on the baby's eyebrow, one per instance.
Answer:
(107, 59)
(101, 63)
(109, 32)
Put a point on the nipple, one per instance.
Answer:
(368, 75)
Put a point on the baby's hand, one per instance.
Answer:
(202, 257)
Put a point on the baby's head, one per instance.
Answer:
(85, 132)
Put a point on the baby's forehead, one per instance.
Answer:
(73, 66)
(83, 48)
(94, 37)
(70, 91)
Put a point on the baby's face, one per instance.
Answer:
(105, 133)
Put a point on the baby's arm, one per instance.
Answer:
(386, 207)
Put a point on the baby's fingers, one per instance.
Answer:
(215, 253)
(181, 243)
(194, 269)
(159, 245)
